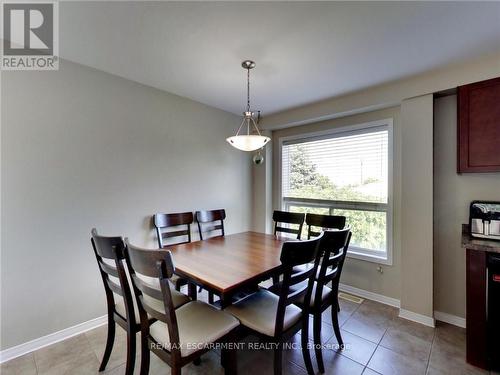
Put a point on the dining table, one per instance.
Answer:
(228, 265)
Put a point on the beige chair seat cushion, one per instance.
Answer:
(178, 300)
(258, 312)
(199, 324)
(325, 294)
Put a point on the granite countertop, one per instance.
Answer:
(479, 244)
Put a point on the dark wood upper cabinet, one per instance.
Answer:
(479, 127)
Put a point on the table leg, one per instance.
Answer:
(192, 291)
(225, 301)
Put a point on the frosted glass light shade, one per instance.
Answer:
(248, 142)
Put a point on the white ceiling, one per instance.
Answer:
(304, 51)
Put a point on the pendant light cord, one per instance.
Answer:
(248, 90)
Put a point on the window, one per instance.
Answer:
(347, 172)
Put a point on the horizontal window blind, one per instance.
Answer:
(343, 173)
(342, 167)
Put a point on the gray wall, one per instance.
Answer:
(452, 196)
(417, 207)
(81, 148)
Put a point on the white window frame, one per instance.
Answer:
(354, 252)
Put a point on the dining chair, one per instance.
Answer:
(323, 222)
(175, 229)
(331, 256)
(178, 336)
(283, 217)
(276, 318)
(109, 253)
(209, 222)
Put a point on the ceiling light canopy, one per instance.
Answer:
(248, 141)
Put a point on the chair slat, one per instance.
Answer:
(298, 277)
(313, 233)
(212, 228)
(176, 233)
(330, 274)
(147, 289)
(287, 230)
(152, 311)
(114, 287)
(110, 270)
(296, 295)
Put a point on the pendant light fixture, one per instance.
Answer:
(248, 141)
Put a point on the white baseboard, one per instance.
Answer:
(30, 346)
(409, 315)
(419, 318)
(450, 319)
(370, 295)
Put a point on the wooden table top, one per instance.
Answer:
(227, 263)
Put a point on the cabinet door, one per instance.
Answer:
(479, 127)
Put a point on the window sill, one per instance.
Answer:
(359, 254)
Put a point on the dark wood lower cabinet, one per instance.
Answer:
(476, 308)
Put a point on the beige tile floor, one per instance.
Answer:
(378, 342)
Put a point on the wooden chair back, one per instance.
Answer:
(210, 221)
(300, 284)
(164, 223)
(283, 217)
(111, 249)
(323, 222)
(147, 268)
(333, 248)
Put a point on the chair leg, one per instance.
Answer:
(109, 344)
(210, 298)
(336, 327)
(317, 342)
(175, 369)
(278, 360)
(145, 354)
(229, 362)
(192, 291)
(276, 279)
(304, 341)
(131, 340)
